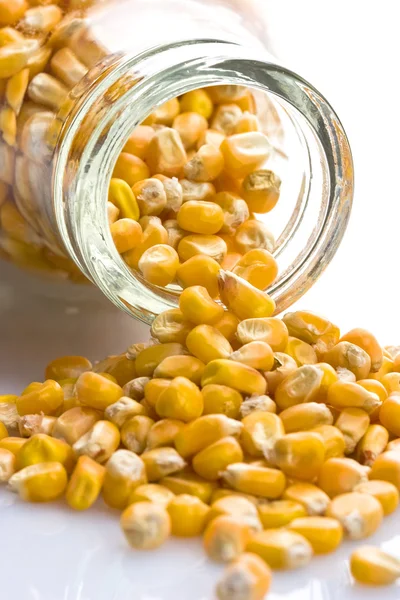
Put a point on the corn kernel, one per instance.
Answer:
(367, 342)
(257, 355)
(246, 578)
(244, 152)
(258, 267)
(3, 431)
(359, 514)
(313, 329)
(124, 472)
(161, 462)
(42, 482)
(188, 515)
(350, 356)
(159, 264)
(233, 374)
(279, 512)
(244, 300)
(386, 467)
(152, 492)
(257, 403)
(372, 566)
(220, 94)
(99, 443)
(181, 400)
(341, 475)
(221, 399)
(199, 270)
(47, 398)
(207, 343)
(210, 136)
(197, 101)
(74, 423)
(323, 533)
(122, 410)
(206, 165)
(122, 196)
(146, 525)
(7, 465)
(43, 448)
(305, 417)
(202, 217)
(225, 118)
(126, 234)
(14, 57)
(208, 245)
(387, 367)
(329, 376)
(166, 153)
(314, 500)
(391, 382)
(225, 538)
(353, 423)
(197, 191)
(190, 126)
(227, 325)
(203, 432)
(261, 189)
(130, 169)
(238, 507)
(96, 391)
(281, 549)
(255, 480)
(134, 433)
(332, 438)
(149, 358)
(187, 482)
(85, 484)
(166, 113)
(198, 307)
(212, 460)
(260, 432)
(247, 122)
(372, 444)
(343, 394)
(301, 352)
(384, 491)
(301, 385)
(29, 425)
(235, 212)
(13, 444)
(300, 455)
(171, 326)
(67, 367)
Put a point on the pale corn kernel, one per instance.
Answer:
(29, 425)
(96, 391)
(244, 300)
(134, 433)
(221, 399)
(324, 534)
(47, 398)
(255, 480)
(124, 472)
(166, 113)
(150, 196)
(112, 213)
(163, 433)
(210, 462)
(200, 217)
(188, 482)
(159, 264)
(211, 136)
(153, 234)
(236, 375)
(314, 500)
(131, 169)
(7, 465)
(125, 408)
(374, 386)
(254, 235)
(384, 491)
(196, 191)
(260, 190)
(332, 438)
(372, 566)
(359, 514)
(37, 64)
(260, 432)
(281, 549)
(66, 67)
(270, 330)
(247, 122)
(161, 462)
(244, 152)
(190, 126)
(393, 445)
(206, 165)
(41, 19)
(238, 507)
(118, 368)
(148, 359)
(199, 270)
(300, 455)
(258, 267)
(256, 403)
(279, 513)
(99, 443)
(126, 234)
(188, 367)
(387, 367)
(47, 90)
(353, 423)
(246, 578)
(350, 356)
(300, 386)
(258, 355)
(122, 196)
(220, 94)
(171, 326)
(166, 153)
(175, 233)
(343, 394)
(372, 444)
(225, 538)
(181, 400)
(8, 125)
(368, 342)
(198, 307)
(13, 223)
(313, 329)
(225, 118)
(67, 367)
(173, 191)
(14, 57)
(146, 525)
(139, 140)
(301, 352)
(203, 432)
(42, 482)
(329, 376)
(341, 475)
(208, 245)
(152, 492)
(13, 444)
(386, 467)
(207, 343)
(85, 484)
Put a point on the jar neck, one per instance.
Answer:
(122, 92)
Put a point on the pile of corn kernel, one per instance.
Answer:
(274, 439)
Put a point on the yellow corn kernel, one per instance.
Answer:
(391, 382)
(225, 538)
(118, 368)
(149, 358)
(153, 390)
(384, 491)
(227, 325)
(197, 101)
(42, 482)
(74, 423)
(353, 423)
(243, 299)
(219, 493)
(41, 19)
(122, 410)
(3, 431)
(260, 432)
(14, 57)
(198, 307)
(11, 11)
(146, 525)
(47, 90)
(67, 367)
(190, 126)
(374, 386)
(255, 480)
(332, 438)
(329, 376)
(261, 189)
(112, 213)
(9, 35)
(230, 260)
(220, 94)
(212, 460)
(124, 472)
(181, 400)
(134, 433)
(248, 122)
(313, 329)
(238, 507)
(159, 264)
(161, 462)
(281, 549)
(197, 191)
(99, 443)
(203, 432)
(7, 465)
(207, 343)
(394, 445)
(188, 515)
(340, 475)
(244, 152)
(47, 398)
(188, 482)
(138, 142)
(200, 217)
(97, 391)
(225, 119)
(248, 574)
(8, 398)
(300, 386)
(372, 444)
(323, 533)
(199, 270)
(208, 245)
(300, 455)
(387, 367)
(372, 566)
(359, 514)
(171, 326)
(122, 196)
(8, 125)
(152, 492)
(67, 67)
(85, 484)
(301, 352)
(385, 467)
(150, 196)
(13, 444)
(163, 433)
(166, 113)
(235, 211)
(126, 234)
(279, 512)
(253, 235)
(221, 399)
(344, 394)
(29, 425)
(367, 342)
(314, 500)
(350, 356)
(258, 267)
(206, 165)
(44, 448)
(166, 153)
(236, 375)
(189, 367)
(257, 355)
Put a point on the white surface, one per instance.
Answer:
(50, 553)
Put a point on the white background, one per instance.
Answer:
(350, 51)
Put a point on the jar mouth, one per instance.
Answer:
(105, 116)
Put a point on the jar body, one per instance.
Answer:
(86, 71)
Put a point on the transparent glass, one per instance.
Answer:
(139, 54)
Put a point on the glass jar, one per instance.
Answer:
(77, 77)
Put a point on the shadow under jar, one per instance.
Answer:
(78, 77)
